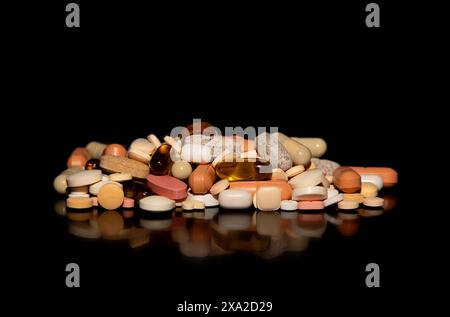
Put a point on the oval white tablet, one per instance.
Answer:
(372, 178)
(348, 204)
(309, 193)
(333, 200)
(311, 177)
(288, 205)
(235, 199)
(156, 203)
(84, 178)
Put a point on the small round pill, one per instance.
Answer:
(373, 202)
(110, 196)
(369, 189)
(288, 205)
(348, 204)
(181, 170)
(116, 150)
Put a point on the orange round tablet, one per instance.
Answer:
(116, 150)
(110, 196)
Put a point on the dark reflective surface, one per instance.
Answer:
(215, 231)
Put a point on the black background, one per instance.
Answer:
(312, 69)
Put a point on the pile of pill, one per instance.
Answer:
(198, 171)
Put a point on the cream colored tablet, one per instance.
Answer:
(120, 177)
(331, 192)
(93, 189)
(79, 202)
(355, 197)
(295, 170)
(309, 193)
(219, 187)
(156, 203)
(188, 205)
(208, 199)
(181, 170)
(198, 204)
(173, 143)
(308, 178)
(268, 198)
(372, 178)
(373, 202)
(316, 146)
(79, 195)
(369, 190)
(288, 205)
(84, 178)
(348, 204)
(235, 199)
(154, 140)
(110, 196)
(279, 174)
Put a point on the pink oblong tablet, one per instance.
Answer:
(311, 205)
(167, 186)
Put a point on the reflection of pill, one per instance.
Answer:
(288, 205)
(311, 177)
(156, 203)
(78, 216)
(369, 190)
(346, 179)
(348, 204)
(84, 178)
(311, 205)
(79, 202)
(373, 202)
(235, 221)
(268, 198)
(355, 197)
(309, 193)
(110, 223)
(219, 186)
(110, 196)
(268, 223)
(235, 199)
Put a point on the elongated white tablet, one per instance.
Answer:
(235, 199)
(333, 200)
(311, 177)
(309, 193)
(372, 178)
(93, 189)
(288, 205)
(156, 203)
(84, 178)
